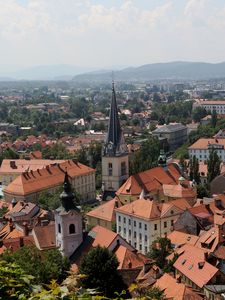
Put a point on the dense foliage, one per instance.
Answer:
(100, 267)
(43, 265)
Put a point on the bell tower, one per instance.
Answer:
(68, 222)
(115, 162)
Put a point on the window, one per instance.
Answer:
(146, 227)
(124, 220)
(135, 245)
(134, 223)
(140, 236)
(135, 234)
(59, 228)
(110, 169)
(140, 225)
(129, 232)
(124, 230)
(129, 222)
(165, 224)
(119, 218)
(119, 228)
(71, 229)
(146, 249)
(123, 168)
(140, 246)
(155, 226)
(172, 221)
(146, 238)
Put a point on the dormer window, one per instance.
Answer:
(72, 229)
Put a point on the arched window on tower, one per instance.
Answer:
(59, 228)
(71, 229)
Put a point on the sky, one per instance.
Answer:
(99, 34)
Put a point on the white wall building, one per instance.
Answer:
(212, 105)
(202, 148)
(143, 221)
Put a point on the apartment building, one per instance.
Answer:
(212, 105)
(144, 220)
(202, 148)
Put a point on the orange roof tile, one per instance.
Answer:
(188, 264)
(174, 290)
(104, 211)
(210, 239)
(51, 176)
(142, 208)
(18, 166)
(178, 191)
(150, 180)
(204, 143)
(130, 259)
(179, 238)
(103, 237)
(45, 236)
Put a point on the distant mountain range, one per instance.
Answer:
(171, 70)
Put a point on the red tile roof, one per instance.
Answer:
(104, 211)
(192, 265)
(174, 290)
(44, 236)
(48, 177)
(204, 143)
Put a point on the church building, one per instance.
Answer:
(115, 158)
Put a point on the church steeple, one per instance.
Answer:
(114, 143)
(67, 197)
(115, 158)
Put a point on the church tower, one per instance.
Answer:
(115, 163)
(68, 222)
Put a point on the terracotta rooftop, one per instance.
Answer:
(18, 166)
(174, 290)
(15, 244)
(105, 211)
(178, 191)
(210, 239)
(44, 236)
(179, 238)
(130, 259)
(148, 209)
(34, 181)
(150, 180)
(192, 264)
(203, 143)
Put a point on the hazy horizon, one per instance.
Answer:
(98, 34)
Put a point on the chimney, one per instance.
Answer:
(11, 225)
(25, 229)
(129, 265)
(178, 279)
(13, 164)
(21, 242)
(206, 256)
(201, 264)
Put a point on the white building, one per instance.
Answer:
(143, 221)
(68, 222)
(202, 148)
(212, 105)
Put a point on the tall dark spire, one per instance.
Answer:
(67, 197)
(114, 138)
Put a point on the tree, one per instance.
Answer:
(213, 164)
(159, 250)
(214, 119)
(14, 282)
(146, 157)
(100, 267)
(194, 170)
(202, 191)
(199, 113)
(155, 293)
(43, 265)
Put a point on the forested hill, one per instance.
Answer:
(172, 70)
